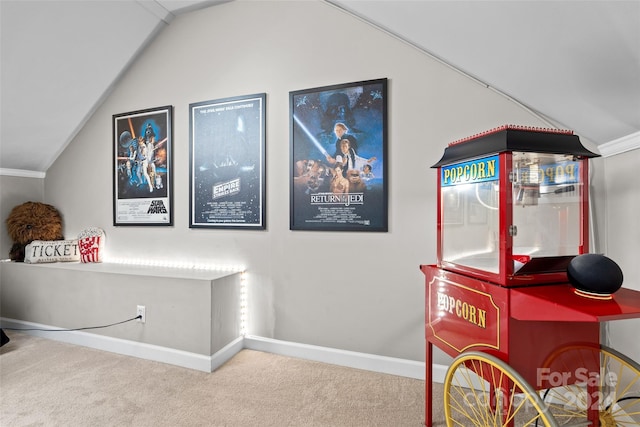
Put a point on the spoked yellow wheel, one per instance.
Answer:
(589, 382)
(481, 390)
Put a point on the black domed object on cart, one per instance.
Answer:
(594, 274)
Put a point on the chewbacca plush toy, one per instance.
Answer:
(32, 221)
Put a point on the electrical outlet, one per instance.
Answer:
(141, 311)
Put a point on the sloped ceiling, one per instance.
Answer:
(60, 58)
(575, 63)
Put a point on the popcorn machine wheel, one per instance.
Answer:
(524, 335)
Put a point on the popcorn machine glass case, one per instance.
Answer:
(513, 205)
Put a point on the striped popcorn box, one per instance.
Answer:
(91, 244)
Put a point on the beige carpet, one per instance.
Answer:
(49, 383)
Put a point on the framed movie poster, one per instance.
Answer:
(142, 167)
(227, 177)
(339, 157)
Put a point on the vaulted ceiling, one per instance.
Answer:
(576, 63)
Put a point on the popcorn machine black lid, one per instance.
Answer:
(515, 138)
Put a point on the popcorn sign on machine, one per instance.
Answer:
(513, 219)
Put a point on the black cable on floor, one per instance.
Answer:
(74, 329)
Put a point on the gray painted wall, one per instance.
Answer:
(197, 312)
(622, 242)
(375, 306)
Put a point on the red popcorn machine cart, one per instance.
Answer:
(515, 297)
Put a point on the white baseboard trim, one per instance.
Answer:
(156, 353)
(351, 359)
(220, 357)
(199, 362)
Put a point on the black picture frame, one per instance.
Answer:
(320, 200)
(227, 163)
(143, 167)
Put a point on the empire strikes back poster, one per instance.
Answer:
(227, 163)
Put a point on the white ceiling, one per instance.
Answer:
(576, 63)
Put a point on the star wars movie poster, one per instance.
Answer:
(227, 163)
(142, 182)
(339, 157)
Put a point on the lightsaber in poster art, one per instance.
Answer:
(311, 137)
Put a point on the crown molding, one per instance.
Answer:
(22, 173)
(620, 145)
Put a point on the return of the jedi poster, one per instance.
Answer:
(338, 158)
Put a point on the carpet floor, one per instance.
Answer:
(50, 383)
